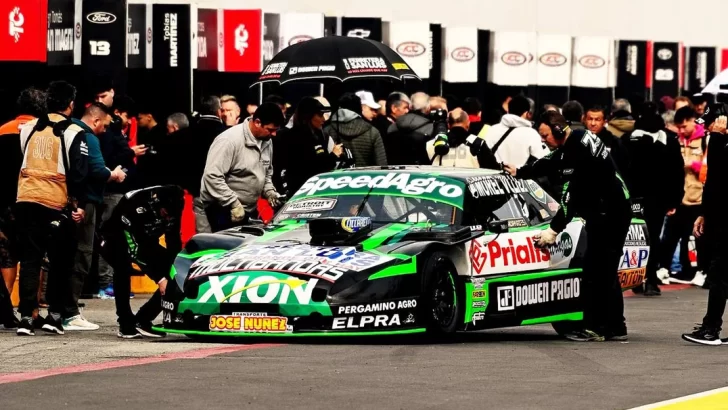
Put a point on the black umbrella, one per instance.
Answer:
(338, 58)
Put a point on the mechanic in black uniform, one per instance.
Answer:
(593, 190)
(143, 235)
(713, 226)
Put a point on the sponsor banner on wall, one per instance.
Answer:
(701, 67)
(412, 41)
(667, 66)
(136, 36)
(171, 36)
(78, 32)
(193, 35)
(460, 63)
(242, 38)
(207, 39)
(23, 36)
(298, 27)
(61, 32)
(104, 35)
(631, 67)
(590, 62)
(532, 58)
(553, 60)
(362, 27)
(510, 55)
(271, 36)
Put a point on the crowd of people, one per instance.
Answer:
(62, 177)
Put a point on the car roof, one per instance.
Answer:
(461, 174)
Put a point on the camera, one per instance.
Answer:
(439, 130)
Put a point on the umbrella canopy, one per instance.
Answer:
(338, 58)
(718, 84)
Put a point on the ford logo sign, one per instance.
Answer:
(101, 17)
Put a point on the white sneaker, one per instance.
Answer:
(664, 276)
(699, 279)
(79, 322)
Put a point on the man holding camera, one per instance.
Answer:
(593, 190)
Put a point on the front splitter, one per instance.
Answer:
(284, 335)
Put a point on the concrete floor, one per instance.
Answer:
(502, 369)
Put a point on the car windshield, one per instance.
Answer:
(380, 208)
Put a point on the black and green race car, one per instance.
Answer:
(391, 250)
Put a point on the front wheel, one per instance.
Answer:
(443, 305)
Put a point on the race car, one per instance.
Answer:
(390, 250)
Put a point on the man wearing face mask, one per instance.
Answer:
(593, 190)
(239, 169)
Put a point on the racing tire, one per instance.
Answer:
(442, 301)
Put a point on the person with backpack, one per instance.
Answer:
(51, 198)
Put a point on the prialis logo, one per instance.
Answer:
(16, 23)
(241, 39)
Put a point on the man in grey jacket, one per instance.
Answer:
(239, 169)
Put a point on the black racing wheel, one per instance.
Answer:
(442, 307)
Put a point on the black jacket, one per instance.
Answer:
(359, 136)
(592, 186)
(655, 174)
(192, 145)
(11, 158)
(116, 152)
(158, 165)
(407, 138)
(716, 185)
(617, 150)
(133, 233)
(298, 154)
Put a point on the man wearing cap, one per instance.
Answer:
(369, 106)
(349, 127)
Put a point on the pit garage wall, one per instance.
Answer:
(656, 20)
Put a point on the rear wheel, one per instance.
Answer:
(443, 304)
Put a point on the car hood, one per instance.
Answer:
(281, 268)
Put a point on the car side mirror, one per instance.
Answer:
(498, 226)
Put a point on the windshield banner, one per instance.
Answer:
(424, 186)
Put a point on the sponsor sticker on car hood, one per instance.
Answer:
(325, 262)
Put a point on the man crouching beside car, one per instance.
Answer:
(143, 237)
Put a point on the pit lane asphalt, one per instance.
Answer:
(501, 369)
